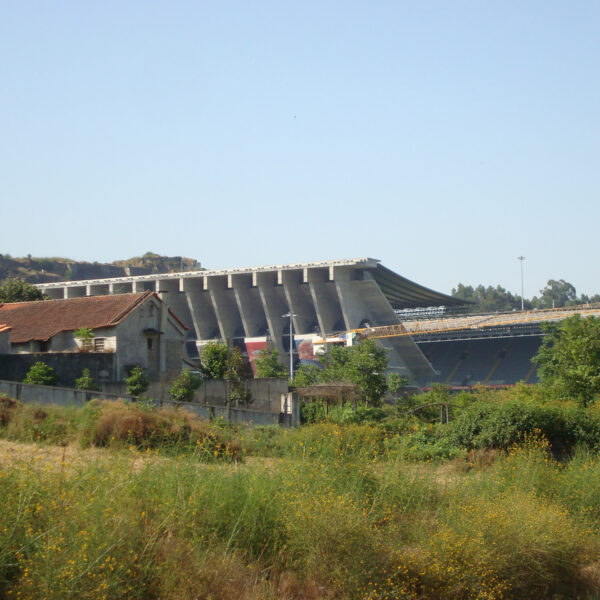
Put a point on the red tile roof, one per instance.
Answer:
(4, 327)
(43, 319)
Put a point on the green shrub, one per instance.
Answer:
(502, 424)
(137, 382)
(86, 382)
(185, 386)
(40, 374)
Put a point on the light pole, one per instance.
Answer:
(522, 258)
(291, 315)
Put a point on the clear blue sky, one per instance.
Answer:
(444, 138)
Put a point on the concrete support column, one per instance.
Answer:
(201, 309)
(249, 305)
(225, 307)
(351, 303)
(274, 307)
(325, 299)
(169, 291)
(300, 301)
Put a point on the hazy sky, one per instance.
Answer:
(444, 138)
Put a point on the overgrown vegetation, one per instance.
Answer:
(324, 511)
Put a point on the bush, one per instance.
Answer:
(171, 430)
(501, 424)
(185, 386)
(86, 382)
(40, 374)
(137, 382)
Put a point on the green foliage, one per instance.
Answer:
(185, 386)
(137, 382)
(569, 358)
(396, 383)
(84, 333)
(17, 290)
(556, 294)
(40, 374)
(306, 375)
(218, 361)
(342, 513)
(86, 382)
(363, 364)
(488, 299)
(501, 424)
(268, 364)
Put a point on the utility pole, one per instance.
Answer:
(291, 315)
(522, 258)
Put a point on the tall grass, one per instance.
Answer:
(325, 511)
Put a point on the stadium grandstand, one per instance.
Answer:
(493, 349)
(254, 307)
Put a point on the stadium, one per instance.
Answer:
(427, 338)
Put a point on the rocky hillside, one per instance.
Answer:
(42, 270)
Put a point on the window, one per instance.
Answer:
(150, 309)
(150, 342)
(99, 344)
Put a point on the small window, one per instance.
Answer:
(150, 343)
(150, 309)
(99, 344)
(86, 345)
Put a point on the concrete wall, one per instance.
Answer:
(67, 366)
(43, 394)
(265, 393)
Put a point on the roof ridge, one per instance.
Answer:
(141, 298)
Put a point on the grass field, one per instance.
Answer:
(117, 501)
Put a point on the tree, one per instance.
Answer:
(396, 383)
(40, 374)
(86, 382)
(17, 290)
(185, 386)
(556, 294)
(218, 361)
(488, 299)
(268, 364)
(137, 382)
(306, 375)
(569, 358)
(363, 364)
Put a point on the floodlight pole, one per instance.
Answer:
(291, 315)
(522, 258)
